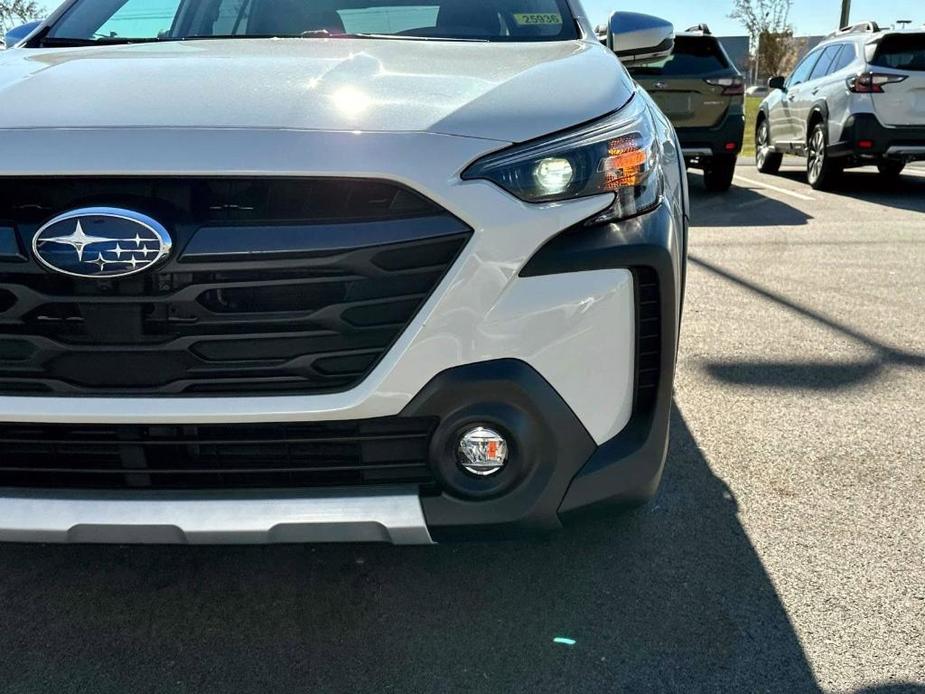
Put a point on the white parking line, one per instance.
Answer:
(782, 191)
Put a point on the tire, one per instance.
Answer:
(767, 160)
(821, 171)
(718, 173)
(891, 169)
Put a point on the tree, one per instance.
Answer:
(768, 25)
(16, 12)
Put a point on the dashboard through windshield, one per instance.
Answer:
(126, 21)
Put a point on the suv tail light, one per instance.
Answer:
(872, 82)
(732, 86)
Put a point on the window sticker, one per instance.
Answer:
(531, 19)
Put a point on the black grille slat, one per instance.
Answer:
(202, 471)
(11, 440)
(215, 200)
(24, 298)
(307, 322)
(216, 456)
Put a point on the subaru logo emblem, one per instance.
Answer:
(101, 242)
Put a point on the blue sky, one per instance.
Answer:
(808, 16)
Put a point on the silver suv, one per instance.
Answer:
(857, 99)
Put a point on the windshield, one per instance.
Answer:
(113, 21)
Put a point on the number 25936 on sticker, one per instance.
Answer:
(534, 18)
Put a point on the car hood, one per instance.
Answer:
(503, 91)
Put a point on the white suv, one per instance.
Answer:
(857, 99)
(277, 271)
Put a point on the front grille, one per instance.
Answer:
(257, 456)
(281, 286)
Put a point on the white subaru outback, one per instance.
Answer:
(320, 270)
(857, 99)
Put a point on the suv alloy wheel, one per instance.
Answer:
(821, 170)
(767, 159)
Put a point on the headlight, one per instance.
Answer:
(618, 154)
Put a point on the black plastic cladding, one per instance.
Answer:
(273, 307)
(550, 446)
(556, 469)
(628, 468)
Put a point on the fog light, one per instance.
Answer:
(482, 452)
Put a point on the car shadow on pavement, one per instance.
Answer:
(668, 597)
(819, 376)
(740, 202)
(905, 193)
(806, 375)
(894, 688)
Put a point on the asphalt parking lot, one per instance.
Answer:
(784, 553)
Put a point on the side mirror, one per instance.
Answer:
(639, 38)
(17, 34)
(776, 82)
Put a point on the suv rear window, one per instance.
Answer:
(693, 55)
(901, 52)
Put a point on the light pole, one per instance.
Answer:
(845, 13)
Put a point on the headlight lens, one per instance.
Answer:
(618, 154)
(553, 175)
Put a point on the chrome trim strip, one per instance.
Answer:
(336, 515)
(697, 152)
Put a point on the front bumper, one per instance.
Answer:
(547, 332)
(881, 141)
(556, 468)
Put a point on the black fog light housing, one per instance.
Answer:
(484, 451)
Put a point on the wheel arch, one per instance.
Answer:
(818, 113)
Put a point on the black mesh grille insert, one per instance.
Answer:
(269, 456)
(648, 337)
(275, 286)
